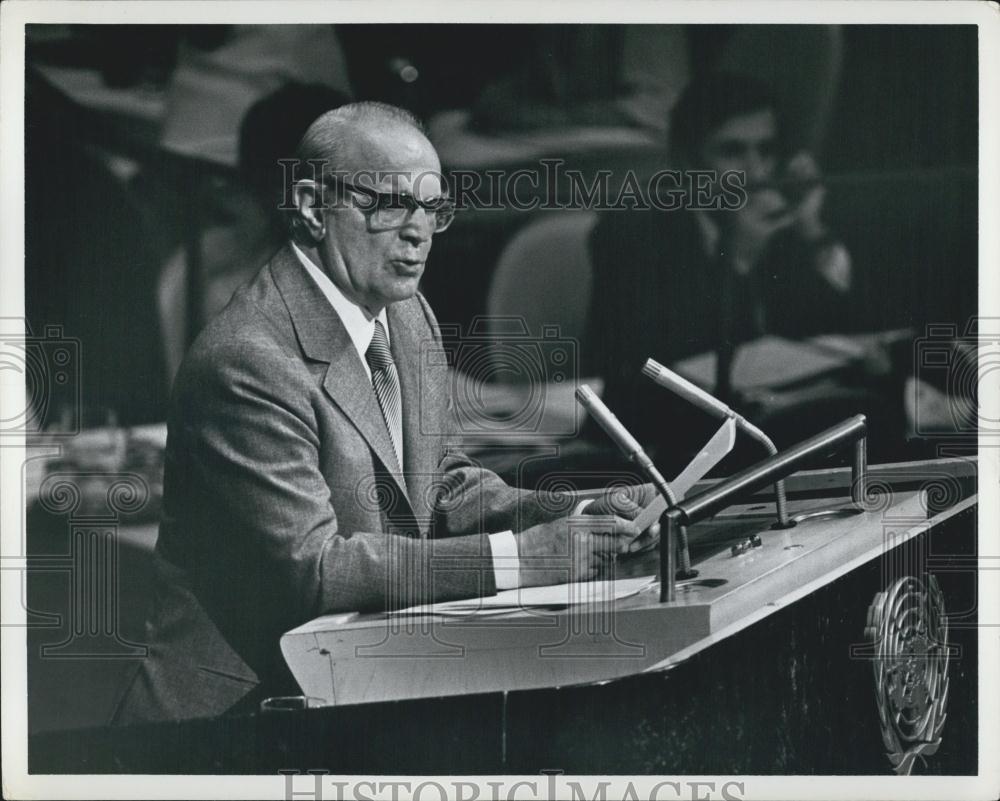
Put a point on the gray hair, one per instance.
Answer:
(324, 139)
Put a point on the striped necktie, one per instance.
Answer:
(385, 382)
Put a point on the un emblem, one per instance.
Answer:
(908, 631)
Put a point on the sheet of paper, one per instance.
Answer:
(556, 595)
(715, 449)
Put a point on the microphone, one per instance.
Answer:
(628, 444)
(609, 422)
(695, 395)
(679, 385)
(633, 451)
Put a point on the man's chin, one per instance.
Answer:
(403, 288)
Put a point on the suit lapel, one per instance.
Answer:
(324, 338)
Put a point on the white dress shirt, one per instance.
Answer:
(360, 327)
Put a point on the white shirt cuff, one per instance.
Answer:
(578, 509)
(506, 563)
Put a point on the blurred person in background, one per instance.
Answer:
(90, 270)
(673, 284)
(243, 226)
(137, 124)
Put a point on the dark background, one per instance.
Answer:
(900, 130)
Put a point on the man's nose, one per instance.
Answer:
(419, 227)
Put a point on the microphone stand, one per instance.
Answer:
(696, 508)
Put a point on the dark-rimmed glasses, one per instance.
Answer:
(386, 210)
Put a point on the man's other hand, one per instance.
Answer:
(574, 548)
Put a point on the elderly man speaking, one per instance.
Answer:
(310, 463)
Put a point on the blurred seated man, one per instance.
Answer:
(672, 284)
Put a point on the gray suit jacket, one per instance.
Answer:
(283, 500)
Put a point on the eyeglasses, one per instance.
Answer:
(387, 210)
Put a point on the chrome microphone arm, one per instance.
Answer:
(695, 395)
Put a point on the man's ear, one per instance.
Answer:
(307, 197)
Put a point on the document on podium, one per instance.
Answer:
(555, 595)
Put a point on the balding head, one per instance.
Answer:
(358, 136)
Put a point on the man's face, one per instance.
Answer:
(746, 143)
(375, 265)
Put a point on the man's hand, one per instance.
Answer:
(748, 230)
(832, 261)
(808, 208)
(625, 501)
(572, 548)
